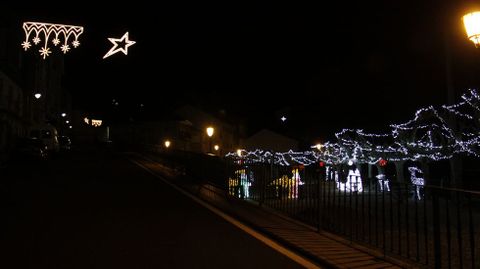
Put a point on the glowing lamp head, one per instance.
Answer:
(70, 127)
(471, 21)
(319, 146)
(37, 95)
(64, 115)
(167, 143)
(67, 121)
(239, 152)
(216, 147)
(210, 131)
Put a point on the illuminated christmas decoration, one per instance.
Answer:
(383, 182)
(429, 136)
(116, 48)
(57, 33)
(283, 118)
(96, 123)
(86, 120)
(417, 180)
(240, 184)
(287, 187)
(37, 95)
(353, 181)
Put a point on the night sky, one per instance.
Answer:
(326, 67)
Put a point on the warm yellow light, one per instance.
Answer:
(216, 147)
(210, 131)
(47, 33)
(471, 21)
(86, 120)
(96, 123)
(167, 143)
(239, 152)
(319, 146)
(125, 43)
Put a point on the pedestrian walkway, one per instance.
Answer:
(318, 247)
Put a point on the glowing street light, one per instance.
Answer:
(210, 131)
(37, 95)
(239, 152)
(471, 21)
(167, 143)
(67, 121)
(216, 147)
(64, 114)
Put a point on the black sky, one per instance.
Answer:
(358, 65)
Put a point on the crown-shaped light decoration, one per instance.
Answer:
(50, 33)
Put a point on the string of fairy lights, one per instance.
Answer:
(433, 134)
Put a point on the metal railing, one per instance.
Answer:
(433, 226)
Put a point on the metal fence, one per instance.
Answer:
(433, 226)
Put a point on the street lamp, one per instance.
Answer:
(471, 21)
(167, 143)
(64, 114)
(37, 95)
(210, 131)
(216, 147)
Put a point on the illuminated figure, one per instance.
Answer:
(285, 186)
(417, 180)
(383, 182)
(239, 186)
(353, 183)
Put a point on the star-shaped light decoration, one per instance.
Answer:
(283, 118)
(65, 48)
(60, 35)
(26, 45)
(75, 43)
(45, 52)
(116, 48)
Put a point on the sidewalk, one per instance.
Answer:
(321, 248)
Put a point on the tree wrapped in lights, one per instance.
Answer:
(426, 137)
(430, 136)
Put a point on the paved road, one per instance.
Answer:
(98, 210)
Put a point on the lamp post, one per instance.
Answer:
(210, 130)
(471, 21)
(167, 143)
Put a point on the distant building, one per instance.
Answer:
(12, 121)
(22, 74)
(186, 130)
(268, 140)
